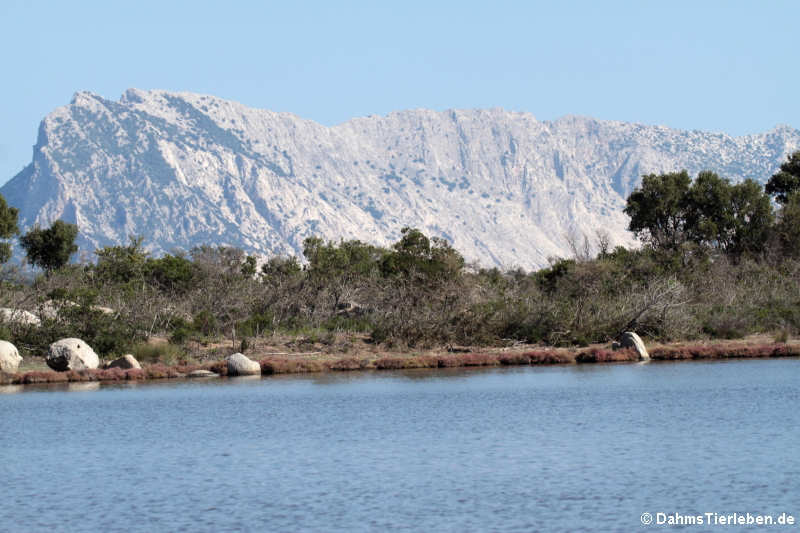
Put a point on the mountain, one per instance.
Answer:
(185, 169)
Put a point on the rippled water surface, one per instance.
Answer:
(512, 449)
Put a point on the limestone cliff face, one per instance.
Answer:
(185, 169)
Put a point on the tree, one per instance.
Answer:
(783, 183)
(751, 218)
(249, 266)
(669, 210)
(658, 210)
(121, 264)
(8, 228)
(172, 274)
(787, 230)
(341, 269)
(280, 268)
(430, 259)
(220, 260)
(736, 219)
(708, 216)
(51, 248)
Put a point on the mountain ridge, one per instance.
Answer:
(183, 169)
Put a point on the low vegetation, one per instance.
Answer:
(718, 261)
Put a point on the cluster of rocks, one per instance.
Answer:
(64, 355)
(74, 354)
(238, 364)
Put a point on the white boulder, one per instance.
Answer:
(19, 316)
(202, 374)
(126, 362)
(9, 357)
(71, 354)
(630, 339)
(51, 309)
(240, 365)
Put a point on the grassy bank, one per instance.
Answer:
(317, 362)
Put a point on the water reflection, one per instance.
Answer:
(83, 386)
(239, 379)
(410, 374)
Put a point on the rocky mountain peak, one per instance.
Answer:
(183, 169)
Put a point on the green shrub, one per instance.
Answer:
(167, 354)
(171, 273)
(5, 332)
(180, 335)
(256, 324)
(205, 322)
(725, 323)
(345, 323)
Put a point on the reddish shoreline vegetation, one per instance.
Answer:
(535, 357)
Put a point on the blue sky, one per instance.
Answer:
(710, 65)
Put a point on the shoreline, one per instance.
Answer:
(272, 365)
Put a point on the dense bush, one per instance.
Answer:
(168, 354)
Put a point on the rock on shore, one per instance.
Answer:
(630, 339)
(240, 365)
(71, 354)
(9, 357)
(125, 362)
(202, 374)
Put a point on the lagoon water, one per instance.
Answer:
(568, 448)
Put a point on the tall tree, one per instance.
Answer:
(708, 215)
(51, 248)
(669, 209)
(430, 259)
(787, 229)
(751, 218)
(658, 209)
(8, 228)
(342, 268)
(787, 180)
